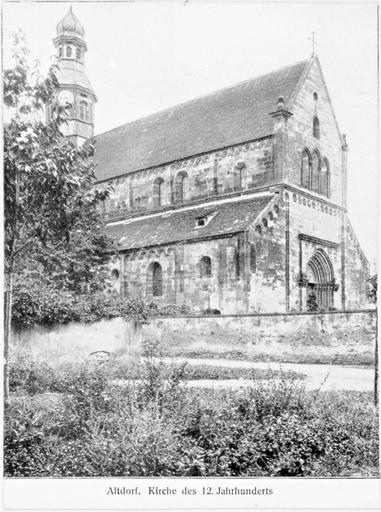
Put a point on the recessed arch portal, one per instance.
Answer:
(321, 281)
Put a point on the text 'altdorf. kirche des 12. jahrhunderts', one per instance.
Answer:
(234, 201)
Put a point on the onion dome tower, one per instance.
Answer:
(75, 87)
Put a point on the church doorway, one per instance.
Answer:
(320, 282)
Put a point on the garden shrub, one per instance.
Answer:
(46, 306)
(157, 427)
(211, 311)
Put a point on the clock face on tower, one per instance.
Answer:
(65, 97)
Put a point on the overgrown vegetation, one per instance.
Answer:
(55, 245)
(372, 289)
(41, 306)
(28, 376)
(156, 426)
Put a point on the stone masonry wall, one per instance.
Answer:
(240, 167)
(300, 134)
(356, 269)
(247, 269)
(266, 291)
(315, 219)
(75, 342)
(181, 275)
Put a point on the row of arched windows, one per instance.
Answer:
(315, 172)
(181, 189)
(181, 185)
(155, 273)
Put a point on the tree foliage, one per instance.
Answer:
(54, 237)
(53, 227)
(372, 289)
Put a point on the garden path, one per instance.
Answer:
(318, 376)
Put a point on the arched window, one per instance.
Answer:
(315, 171)
(131, 196)
(158, 189)
(238, 176)
(68, 51)
(115, 275)
(324, 178)
(253, 258)
(306, 166)
(181, 187)
(84, 112)
(316, 128)
(181, 281)
(155, 280)
(237, 263)
(205, 267)
(78, 54)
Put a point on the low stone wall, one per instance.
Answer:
(75, 341)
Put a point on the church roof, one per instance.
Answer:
(180, 225)
(226, 117)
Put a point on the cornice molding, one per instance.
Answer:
(318, 241)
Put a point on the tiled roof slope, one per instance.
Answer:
(236, 114)
(178, 226)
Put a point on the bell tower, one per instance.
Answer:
(75, 87)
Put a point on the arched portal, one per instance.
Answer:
(320, 282)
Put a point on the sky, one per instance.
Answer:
(145, 56)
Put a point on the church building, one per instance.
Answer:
(235, 201)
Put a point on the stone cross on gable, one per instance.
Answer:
(314, 43)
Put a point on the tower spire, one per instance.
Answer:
(75, 87)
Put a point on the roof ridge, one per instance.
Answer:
(209, 94)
